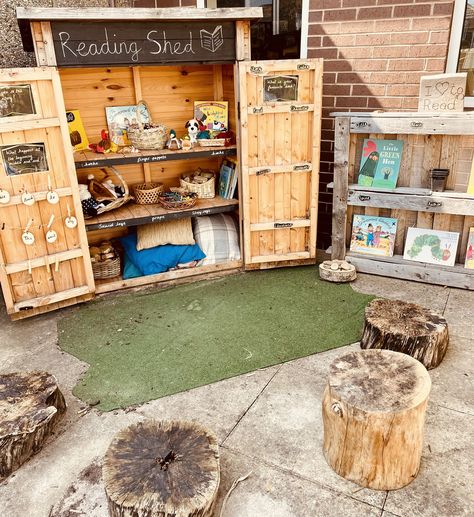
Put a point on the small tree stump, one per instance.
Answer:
(337, 271)
(165, 469)
(407, 328)
(31, 405)
(373, 415)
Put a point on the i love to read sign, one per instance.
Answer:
(442, 93)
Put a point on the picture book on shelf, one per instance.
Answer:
(227, 178)
(469, 263)
(373, 235)
(380, 163)
(119, 118)
(212, 114)
(431, 246)
(470, 185)
(77, 133)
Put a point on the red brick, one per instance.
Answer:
(146, 3)
(327, 134)
(325, 28)
(428, 51)
(372, 39)
(435, 64)
(336, 89)
(402, 90)
(351, 102)
(443, 8)
(369, 64)
(325, 4)
(327, 53)
(327, 145)
(352, 77)
(385, 102)
(391, 51)
(328, 101)
(439, 37)
(338, 15)
(391, 2)
(327, 123)
(374, 13)
(371, 90)
(188, 3)
(338, 41)
(410, 103)
(431, 24)
(355, 52)
(356, 3)
(387, 78)
(337, 65)
(358, 27)
(406, 38)
(315, 16)
(329, 78)
(406, 64)
(314, 41)
(167, 3)
(398, 25)
(411, 11)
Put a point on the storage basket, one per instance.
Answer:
(146, 136)
(99, 192)
(106, 269)
(212, 142)
(147, 193)
(205, 190)
(177, 199)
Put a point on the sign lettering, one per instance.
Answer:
(282, 225)
(442, 93)
(299, 108)
(280, 88)
(24, 158)
(16, 100)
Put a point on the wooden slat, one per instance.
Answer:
(42, 261)
(8, 75)
(278, 258)
(278, 169)
(53, 298)
(283, 107)
(280, 225)
(39, 196)
(48, 44)
(242, 40)
(6, 127)
(413, 125)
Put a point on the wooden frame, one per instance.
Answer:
(430, 141)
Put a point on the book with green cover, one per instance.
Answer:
(380, 163)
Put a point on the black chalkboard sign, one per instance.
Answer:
(142, 42)
(24, 158)
(16, 99)
(280, 88)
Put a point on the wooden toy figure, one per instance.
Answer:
(173, 142)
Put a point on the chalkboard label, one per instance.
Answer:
(24, 158)
(16, 100)
(280, 88)
(142, 42)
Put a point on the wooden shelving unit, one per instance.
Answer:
(430, 141)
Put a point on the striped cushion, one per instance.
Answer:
(218, 238)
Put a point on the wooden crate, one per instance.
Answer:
(430, 141)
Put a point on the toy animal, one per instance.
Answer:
(193, 128)
(105, 145)
(173, 142)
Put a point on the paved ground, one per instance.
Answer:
(268, 422)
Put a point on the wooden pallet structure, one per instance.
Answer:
(430, 140)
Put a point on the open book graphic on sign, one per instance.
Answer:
(212, 41)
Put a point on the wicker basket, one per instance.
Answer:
(106, 269)
(177, 199)
(98, 191)
(203, 190)
(211, 142)
(148, 193)
(151, 137)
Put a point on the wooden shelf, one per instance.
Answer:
(135, 215)
(89, 159)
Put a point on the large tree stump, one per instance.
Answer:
(165, 469)
(407, 328)
(31, 405)
(373, 414)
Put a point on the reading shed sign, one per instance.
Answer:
(142, 42)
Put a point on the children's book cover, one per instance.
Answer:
(380, 163)
(120, 118)
(373, 235)
(212, 114)
(469, 263)
(470, 185)
(77, 133)
(431, 246)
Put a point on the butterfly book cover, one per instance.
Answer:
(380, 163)
(431, 246)
(373, 235)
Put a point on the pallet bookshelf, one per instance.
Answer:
(430, 141)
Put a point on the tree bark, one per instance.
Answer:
(31, 406)
(163, 469)
(407, 328)
(373, 414)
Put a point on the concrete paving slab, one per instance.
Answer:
(321, 362)
(460, 313)
(284, 426)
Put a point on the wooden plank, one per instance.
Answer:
(278, 169)
(25, 125)
(242, 40)
(27, 74)
(48, 43)
(42, 261)
(259, 68)
(218, 84)
(397, 190)
(15, 316)
(53, 298)
(414, 125)
(280, 225)
(38, 196)
(281, 107)
(38, 43)
(424, 220)
(278, 258)
(401, 115)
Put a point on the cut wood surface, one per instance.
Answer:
(162, 468)
(373, 413)
(337, 271)
(31, 405)
(407, 328)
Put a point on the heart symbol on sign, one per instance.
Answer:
(442, 88)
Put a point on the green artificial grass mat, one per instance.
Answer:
(143, 346)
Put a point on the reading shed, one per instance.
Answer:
(90, 59)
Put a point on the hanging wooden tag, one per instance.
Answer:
(52, 197)
(70, 221)
(27, 199)
(51, 236)
(28, 238)
(4, 196)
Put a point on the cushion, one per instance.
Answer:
(218, 238)
(129, 270)
(179, 231)
(161, 258)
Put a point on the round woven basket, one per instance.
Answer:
(205, 190)
(148, 193)
(106, 269)
(182, 200)
(152, 137)
(211, 142)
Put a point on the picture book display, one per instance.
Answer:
(431, 246)
(212, 114)
(469, 263)
(77, 133)
(228, 178)
(120, 118)
(373, 235)
(380, 163)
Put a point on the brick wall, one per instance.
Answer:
(374, 54)
(164, 3)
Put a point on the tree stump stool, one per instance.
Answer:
(165, 469)
(373, 414)
(31, 405)
(407, 328)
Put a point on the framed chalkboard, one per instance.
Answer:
(24, 158)
(16, 100)
(280, 88)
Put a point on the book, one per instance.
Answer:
(212, 114)
(470, 185)
(234, 177)
(469, 262)
(120, 118)
(380, 163)
(431, 246)
(77, 133)
(373, 235)
(212, 41)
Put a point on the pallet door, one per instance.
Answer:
(39, 195)
(280, 127)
